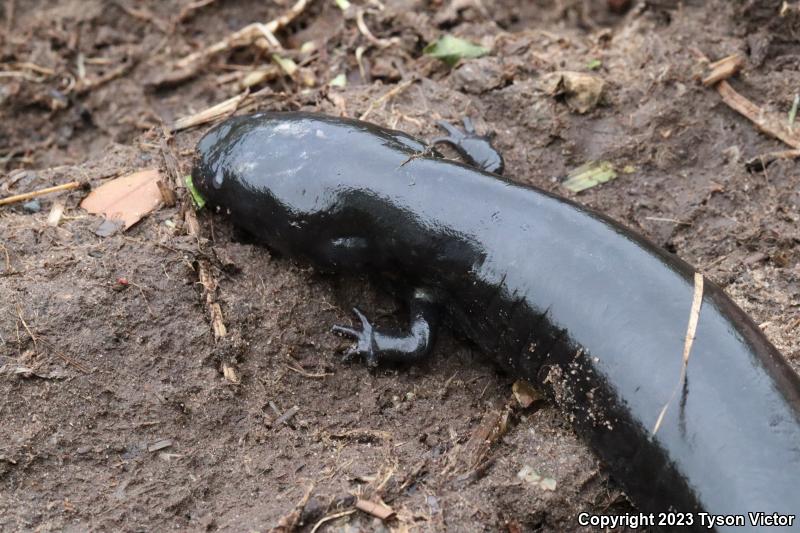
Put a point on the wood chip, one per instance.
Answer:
(159, 445)
(378, 510)
(167, 194)
(230, 373)
(55, 213)
(470, 460)
(723, 69)
(285, 417)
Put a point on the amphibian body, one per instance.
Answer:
(562, 296)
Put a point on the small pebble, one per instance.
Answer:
(32, 207)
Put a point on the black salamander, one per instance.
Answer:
(562, 296)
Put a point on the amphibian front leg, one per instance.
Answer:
(377, 346)
(476, 150)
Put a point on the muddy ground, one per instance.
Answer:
(115, 413)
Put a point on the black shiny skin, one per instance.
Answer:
(473, 148)
(562, 296)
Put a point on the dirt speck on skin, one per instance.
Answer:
(114, 408)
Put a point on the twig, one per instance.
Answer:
(363, 435)
(170, 160)
(34, 67)
(364, 30)
(25, 325)
(143, 14)
(767, 122)
(210, 288)
(244, 36)
(86, 86)
(723, 69)
(190, 8)
(715, 262)
(427, 152)
(21, 74)
(285, 417)
(673, 220)
(330, 517)
(691, 329)
(212, 113)
(144, 297)
(288, 523)
(386, 97)
(375, 509)
(48, 344)
(764, 160)
(33, 194)
(8, 258)
(302, 372)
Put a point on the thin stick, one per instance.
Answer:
(691, 329)
(88, 85)
(33, 194)
(769, 123)
(331, 517)
(190, 8)
(8, 257)
(246, 35)
(302, 372)
(723, 69)
(389, 94)
(144, 297)
(763, 120)
(764, 160)
(364, 30)
(211, 113)
(25, 325)
(47, 343)
(673, 220)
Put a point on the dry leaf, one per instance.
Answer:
(582, 91)
(127, 199)
(379, 510)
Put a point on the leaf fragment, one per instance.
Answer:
(197, 198)
(589, 175)
(452, 49)
(127, 199)
(339, 81)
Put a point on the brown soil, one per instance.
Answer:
(95, 374)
